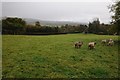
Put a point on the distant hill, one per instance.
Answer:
(51, 23)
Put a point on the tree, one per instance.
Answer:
(37, 24)
(13, 26)
(94, 27)
(115, 8)
(0, 26)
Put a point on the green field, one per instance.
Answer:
(0, 56)
(54, 56)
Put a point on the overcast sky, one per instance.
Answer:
(58, 11)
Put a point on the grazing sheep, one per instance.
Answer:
(91, 45)
(104, 42)
(78, 44)
(110, 42)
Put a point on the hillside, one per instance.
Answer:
(51, 23)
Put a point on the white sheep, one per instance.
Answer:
(78, 44)
(91, 45)
(104, 42)
(110, 42)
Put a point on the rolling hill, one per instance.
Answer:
(51, 23)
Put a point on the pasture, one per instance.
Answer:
(54, 56)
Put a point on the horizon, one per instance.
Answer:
(86, 23)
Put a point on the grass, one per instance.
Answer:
(54, 56)
(0, 56)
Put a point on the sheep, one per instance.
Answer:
(104, 42)
(110, 39)
(110, 42)
(91, 45)
(78, 44)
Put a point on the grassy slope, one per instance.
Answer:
(0, 56)
(54, 56)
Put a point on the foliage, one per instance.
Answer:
(0, 26)
(73, 29)
(37, 24)
(13, 26)
(94, 26)
(97, 28)
(19, 26)
(115, 8)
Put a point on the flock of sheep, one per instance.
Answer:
(91, 45)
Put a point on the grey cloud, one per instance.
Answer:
(74, 11)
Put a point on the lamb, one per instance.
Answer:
(104, 42)
(91, 45)
(78, 44)
(110, 42)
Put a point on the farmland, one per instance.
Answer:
(54, 56)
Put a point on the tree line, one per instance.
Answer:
(18, 26)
